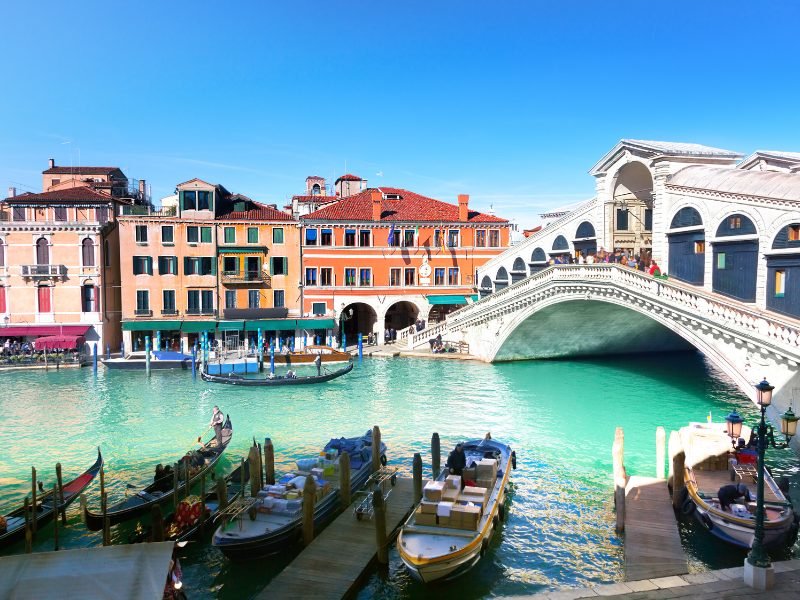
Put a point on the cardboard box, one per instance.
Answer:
(486, 483)
(475, 499)
(443, 509)
(466, 516)
(453, 482)
(421, 518)
(487, 468)
(451, 495)
(476, 491)
(443, 521)
(433, 491)
(428, 507)
(471, 473)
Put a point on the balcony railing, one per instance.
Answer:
(169, 312)
(146, 211)
(38, 271)
(201, 311)
(246, 277)
(143, 312)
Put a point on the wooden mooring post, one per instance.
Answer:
(60, 482)
(222, 493)
(255, 470)
(33, 502)
(620, 477)
(677, 458)
(157, 519)
(269, 461)
(309, 499)
(28, 533)
(436, 455)
(416, 469)
(376, 449)
(379, 506)
(344, 480)
(55, 519)
(661, 439)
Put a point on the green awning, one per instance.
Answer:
(447, 299)
(198, 326)
(230, 325)
(242, 250)
(272, 325)
(316, 323)
(151, 326)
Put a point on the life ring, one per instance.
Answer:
(383, 460)
(707, 521)
(688, 507)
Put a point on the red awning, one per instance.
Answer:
(60, 342)
(41, 330)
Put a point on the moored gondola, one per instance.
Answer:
(47, 506)
(277, 380)
(200, 461)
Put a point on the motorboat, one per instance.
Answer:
(159, 359)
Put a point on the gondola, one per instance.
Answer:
(45, 506)
(234, 379)
(163, 489)
(308, 355)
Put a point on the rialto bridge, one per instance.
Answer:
(725, 230)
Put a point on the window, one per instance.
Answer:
(199, 265)
(43, 293)
(365, 277)
(167, 235)
(142, 265)
(350, 237)
(438, 276)
(311, 237)
(101, 212)
(408, 238)
(279, 265)
(452, 238)
(452, 276)
(230, 235)
(168, 302)
(192, 234)
(395, 240)
(107, 253)
(622, 219)
(230, 298)
(142, 302)
(278, 298)
(60, 213)
(494, 238)
(189, 200)
(205, 235)
(319, 308)
(349, 276)
(364, 238)
(87, 252)
(253, 299)
(394, 276)
(167, 265)
(55, 181)
(193, 302)
(480, 238)
(794, 233)
(18, 213)
(326, 276)
(410, 276)
(780, 283)
(87, 298)
(207, 302)
(277, 235)
(311, 276)
(326, 237)
(437, 238)
(252, 235)
(141, 234)
(204, 200)
(700, 247)
(721, 261)
(734, 222)
(648, 219)
(42, 252)
(230, 266)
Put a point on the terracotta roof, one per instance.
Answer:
(316, 198)
(348, 177)
(80, 170)
(257, 212)
(410, 207)
(80, 193)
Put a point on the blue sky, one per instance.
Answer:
(510, 102)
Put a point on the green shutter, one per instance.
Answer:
(213, 265)
(149, 263)
(277, 235)
(186, 266)
(180, 200)
(285, 265)
(271, 270)
(135, 265)
(205, 235)
(252, 235)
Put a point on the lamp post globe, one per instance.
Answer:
(733, 422)
(789, 424)
(764, 393)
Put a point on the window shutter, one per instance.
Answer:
(135, 265)
(285, 265)
(2, 299)
(187, 269)
(149, 265)
(96, 298)
(272, 266)
(213, 266)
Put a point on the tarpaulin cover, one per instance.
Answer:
(60, 342)
(26, 330)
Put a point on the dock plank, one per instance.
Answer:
(334, 562)
(652, 541)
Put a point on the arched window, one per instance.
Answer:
(686, 217)
(519, 265)
(486, 283)
(737, 224)
(585, 230)
(315, 189)
(87, 252)
(560, 243)
(502, 274)
(42, 252)
(538, 256)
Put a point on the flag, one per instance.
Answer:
(390, 240)
(442, 240)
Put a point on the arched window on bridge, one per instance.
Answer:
(501, 279)
(486, 286)
(585, 241)
(560, 247)
(735, 262)
(687, 246)
(783, 272)
(518, 271)
(538, 260)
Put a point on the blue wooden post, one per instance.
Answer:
(280, 342)
(316, 340)
(122, 349)
(147, 354)
(344, 341)
(360, 346)
(291, 343)
(305, 339)
(108, 351)
(260, 351)
(136, 345)
(158, 341)
(272, 360)
(94, 359)
(194, 361)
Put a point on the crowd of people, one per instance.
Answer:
(643, 262)
(13, 350)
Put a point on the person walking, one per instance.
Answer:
(217, 419)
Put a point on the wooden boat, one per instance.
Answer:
(162, 490)
(449, 541)
(307, 355)
(277, 380)
(158, 360)
(46, 505)
(708, 467)
(241, 538)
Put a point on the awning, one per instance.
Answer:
(151, 326)
(242, 250)
(447, 299)
(230, 325)
(60, 342)
(272, 325)
(198, 326)
(316, 323)
(42, 330)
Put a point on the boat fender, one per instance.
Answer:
(484, 546)
(688, 507)
(383, 460)
(707, 521)
(513, 459)
(501, 511)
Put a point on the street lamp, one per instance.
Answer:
(734, 424)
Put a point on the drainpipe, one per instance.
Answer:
(302, 269)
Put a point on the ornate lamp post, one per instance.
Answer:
(734, 425)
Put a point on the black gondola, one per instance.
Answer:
(234, 379)
(162, 489)
(46, 507)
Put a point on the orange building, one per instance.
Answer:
(383, 258)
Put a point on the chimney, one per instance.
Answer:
(12, 191)
(52, 163)
(142, 188)
(376, 197)
(463, 207)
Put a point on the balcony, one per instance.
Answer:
(256, 277)
(143, 312)
(43, 271)
(169, 312)
(201, 311)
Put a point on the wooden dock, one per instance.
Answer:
(333, 563)
(652, 542)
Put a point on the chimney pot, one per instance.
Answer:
(463, 207)
(12, 191)
(52, 163)
(376, 197)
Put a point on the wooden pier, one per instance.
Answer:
(333, 563)
(652, 541)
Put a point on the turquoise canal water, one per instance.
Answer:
(560, 417)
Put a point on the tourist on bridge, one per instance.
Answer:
(728, 494)
(654, 269)
(217, 420)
